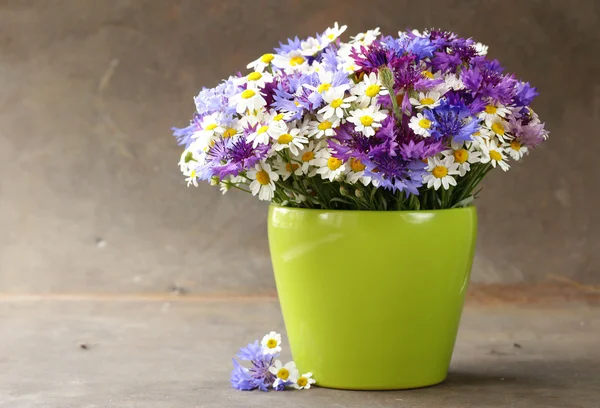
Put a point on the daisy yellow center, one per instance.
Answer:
(285, 138)
(498, 128)
(212, 126)
(427, 74)
(193, 174)
(296, 103)
(491, 109)
(278, 116)
(248, 93)
(331, 36)
(323, 87)
(302, 381)
(308, 156)
(478, 133)
(333, 163)
(440, 171)
(254, 76)
(494, 155)
(283, 373)
(356, 165)
(460, 156)
(271, 343)
(263, 177)
(336, 103)
(366, 120)
(426, 101)
(515, 145)
(324, 125)
(297, 60)
(372, 90)
(290, 167)
(425, 123)
(266, 58)
(262, 129)
(229, 132)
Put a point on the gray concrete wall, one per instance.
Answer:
(91, 198)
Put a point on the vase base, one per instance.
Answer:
(395, 387)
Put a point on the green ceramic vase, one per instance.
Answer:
(372, 299)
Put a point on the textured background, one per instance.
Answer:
(91, 198)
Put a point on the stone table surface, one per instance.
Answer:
(159, 351)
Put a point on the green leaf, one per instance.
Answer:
(464, 203)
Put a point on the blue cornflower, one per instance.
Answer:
(453, 121)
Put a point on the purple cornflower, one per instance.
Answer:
(229, 156)
(184, 135)
(373, 57)
(292, 45)
(258, 376)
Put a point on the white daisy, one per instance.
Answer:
(463, 155)
(309, 156)
(498, 128)
(286, 168)
(370, 87)
(329, 167)
(492, 153)
(367, 120)
(515, 149)
(271, 343)
(357, 173)
(266, 132)
(255, 80)
(322, 127)
(440, 172)
(492, 113)
(332, 33)
(481, 49)
(249, 99)
(304, 382)
(263, 181)
(261, 63)
(366, 38)
(284, 373)
(292, 140)
(426, 100)
(420, 125)
(325, 79)
(336, 103)
(290, 62)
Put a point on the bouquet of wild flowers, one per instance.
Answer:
(377, 123)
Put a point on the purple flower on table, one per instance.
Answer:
(451, 121)
(257, 376)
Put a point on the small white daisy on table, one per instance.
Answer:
(368, 119)
(336, 103)
(271, 342)
(420, 125)
(248, 99)
(304, 382)
(441, 172)
(370, 87)
(464, 155)
(426, 100)
(292, 140)
(284, 373)
(261, 63)
(492, 153)
(263, 181)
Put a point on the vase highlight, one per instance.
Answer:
(372, 299)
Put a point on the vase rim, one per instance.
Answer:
(324, 210)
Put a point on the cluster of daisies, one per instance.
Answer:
(266, 372)
(378, 122)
